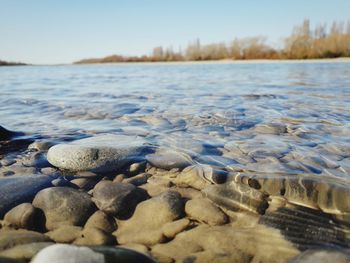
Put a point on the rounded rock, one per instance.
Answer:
(21, 216)
(94, 237)
(61, 253)
(65, 234)
(64, 206)
(97, 154)
(117, 199)
(205, 211)
(101, 221)
(145, 226)
(168, 159)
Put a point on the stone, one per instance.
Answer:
(145, 226)
(22, 216)
(102, 221)
(154, 190)
(235, 196)
(86, 174)
(34, 159)
(61, 181)
(7, 134)
(117, 199)
(7, 162)
(64, 206)
(155, 121)
(122, 255)
(137, 247)
(328, 195)
(94, 237)
(25, 251)
(304, 227)
(99, 154)
(199, 176)
(161, 258)
(168, 159)
(11, 238)
(137, 168)
(159, 181)
(266, 244)
(171, 229)
(10, 260)
(65, 234)
(62, 253)
(188, 193)
(16, 190)
(49, 171)
(209, 256)
(119, 178)
(261, 146)
(205, 211)
(40, 145)
(137, 180)
(19, 170)
(84, 183)
(322, 256)
(191, 176)
(271, 128)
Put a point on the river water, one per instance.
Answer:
(210, 103)
(266, 121)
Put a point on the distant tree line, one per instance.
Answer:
(303, 43)
(5, 63)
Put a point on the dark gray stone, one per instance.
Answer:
(117, 199)
(64, 206)
(6, 134)
(20, 189)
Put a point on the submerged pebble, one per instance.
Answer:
(168, 159)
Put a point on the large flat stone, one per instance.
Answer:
(104, 153)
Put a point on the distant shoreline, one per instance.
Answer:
(222, 61)
(11, 64)
(229, 61)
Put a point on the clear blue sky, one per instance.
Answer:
(62, 31)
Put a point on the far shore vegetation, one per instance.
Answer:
(5, 63)
(323, 41)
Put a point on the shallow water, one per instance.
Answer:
(279, 128)
(203, 104)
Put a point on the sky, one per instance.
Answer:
(63, 31)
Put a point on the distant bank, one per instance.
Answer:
(303, 43)
(5, 63)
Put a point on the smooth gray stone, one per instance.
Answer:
(104, 153)
(16, 190)
(68, 254)
(168, 159)
(62, 253)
